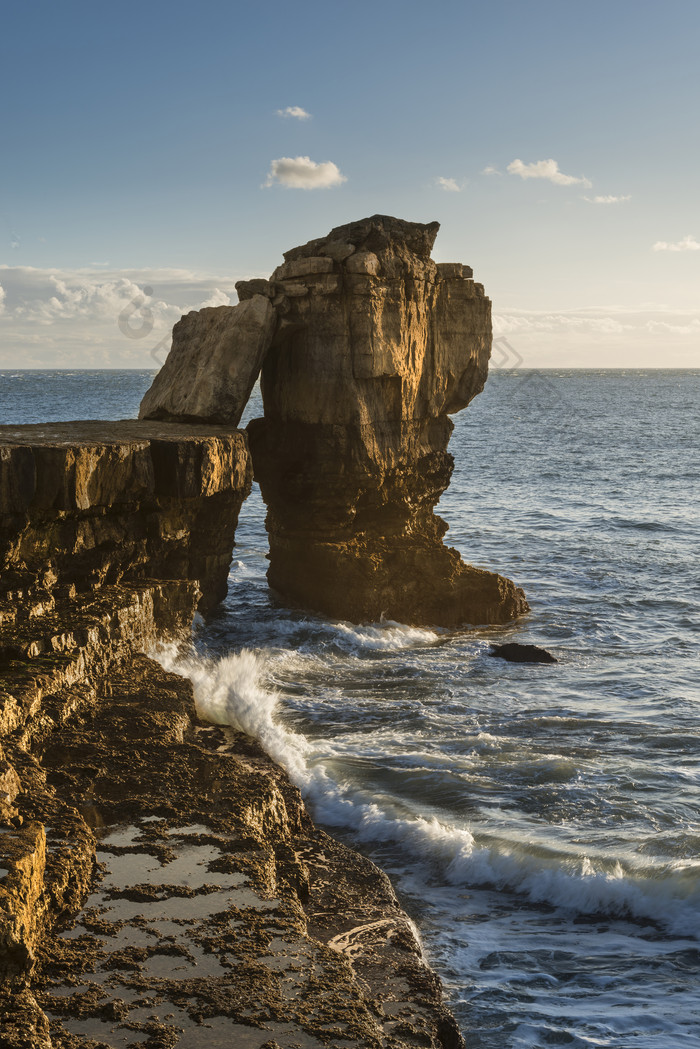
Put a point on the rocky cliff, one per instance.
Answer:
(160, 879)
(376, 347)
(87, 504)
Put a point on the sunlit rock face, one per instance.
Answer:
(214, 363)
(376, 345)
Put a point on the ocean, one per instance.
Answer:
(541, 823)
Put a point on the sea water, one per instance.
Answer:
(541, 822)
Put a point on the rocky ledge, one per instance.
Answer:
(160, 881)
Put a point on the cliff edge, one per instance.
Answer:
(160, 880)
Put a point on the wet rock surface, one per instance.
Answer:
(168, 888)
(161, 883)
(514, 652)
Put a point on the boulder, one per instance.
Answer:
(214, 362)
(517, 653)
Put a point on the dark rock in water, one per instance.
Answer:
(516, 653)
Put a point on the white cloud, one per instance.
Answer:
(648, 336)
(597, 321)
(491, 170)
(304, 173)
(689, 243)
(580, 322)
(607, 200)
(217, 298)
(296, 112)
(547, 169)
(91, 318)
(449, 184)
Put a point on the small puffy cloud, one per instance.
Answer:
(607, 200)
(547, 169)
(491, 170)
(295, 112)
(304, 173)
(450, 185)
(2, 299)
(688, 243)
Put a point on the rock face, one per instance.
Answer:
(88, 504)
(159, 876)
(376, 346)
(213, 364)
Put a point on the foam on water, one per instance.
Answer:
(541, 823)
(231, 690)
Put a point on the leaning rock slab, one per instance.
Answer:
(214, 362)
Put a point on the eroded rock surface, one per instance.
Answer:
(166, 883)
(377, 345)
(214, 362)
(160, 880)
(87, 504)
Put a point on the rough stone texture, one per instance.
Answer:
(163, 880)
(89, 504)
(160, 880)
(376, 347)
(214, 362)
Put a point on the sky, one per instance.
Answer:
(153, 154)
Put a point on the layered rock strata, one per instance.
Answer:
(160, 880)
(89, 504)
(376, 346)
(217, 913)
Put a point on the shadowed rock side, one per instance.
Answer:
(376, 345)
(89, 504)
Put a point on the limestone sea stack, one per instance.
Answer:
(372, 348)
(376, 347)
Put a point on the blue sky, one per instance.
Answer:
(145, 146)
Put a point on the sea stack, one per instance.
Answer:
(377, 345)
(374, 346)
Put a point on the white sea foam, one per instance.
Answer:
(387, 635)
(232, 690)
